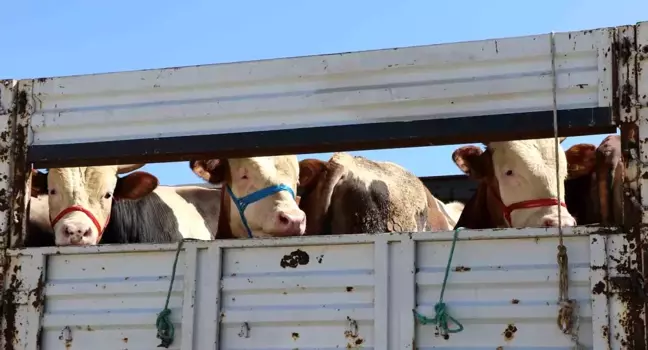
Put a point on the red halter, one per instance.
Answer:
(533, 203)
(68, 210)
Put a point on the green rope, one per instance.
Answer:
(165, 328)
(442, 316)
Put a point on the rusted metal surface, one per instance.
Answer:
(629, 259)
(20, 170)
(23, 302)
(8, 108)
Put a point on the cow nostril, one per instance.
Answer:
(549, 223)
(283, 219)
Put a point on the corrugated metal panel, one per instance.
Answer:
(110, 301)
(310, 292)
(504, 292)
(437, 81)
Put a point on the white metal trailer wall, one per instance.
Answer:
(108, 297)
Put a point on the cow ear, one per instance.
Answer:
(309, 170)
(470, 160)
(38, 183)
(135, 185)
(581, 160)
(211, 170)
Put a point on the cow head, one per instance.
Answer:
(522, 173)
(261, 191)
(581, 194)
(80, 199)
(581, 160)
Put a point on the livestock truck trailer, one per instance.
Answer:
(502, 288)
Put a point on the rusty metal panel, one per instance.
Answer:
(8, 89)
(15, 113)
(641, 66)
(629, 259)
(488, 77)
(326, 292)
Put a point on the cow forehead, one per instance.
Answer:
(531, 153)
(95, 178)
(269, 167)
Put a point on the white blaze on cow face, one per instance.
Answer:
(526, 170)
(90, 191)
(275, 215)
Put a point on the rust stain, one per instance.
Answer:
(354, 340)
(462, 269)
(9, 307)
(627, 92)
(294, 259)
(295, 336)
(515, 301)
(37, 292)
(599, 288)
(125, 340)
(349, 289)
(509, 332)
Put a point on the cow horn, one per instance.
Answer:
(125, 168)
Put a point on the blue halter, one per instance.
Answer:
(242, 203)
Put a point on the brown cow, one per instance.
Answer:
(581, 193)
(517, 184)
(351, 194)
(262, 193)
(606, 170)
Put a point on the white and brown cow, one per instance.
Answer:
(92, 205)
(258, 197)
(351, 194)
(518, 178)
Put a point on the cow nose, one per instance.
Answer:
(552, 221)
(77, 231)
(293, 223)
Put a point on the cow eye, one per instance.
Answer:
(107, 195)
(52, 192)
(509, 173)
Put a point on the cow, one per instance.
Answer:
(517, 184)
(604, 169)
(581, 193)
(261, 191)
(92, 205)
(352, 194)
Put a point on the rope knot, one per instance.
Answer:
(565, 319)
(165, 328)
(441, 315)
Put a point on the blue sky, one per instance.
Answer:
(53, 38)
